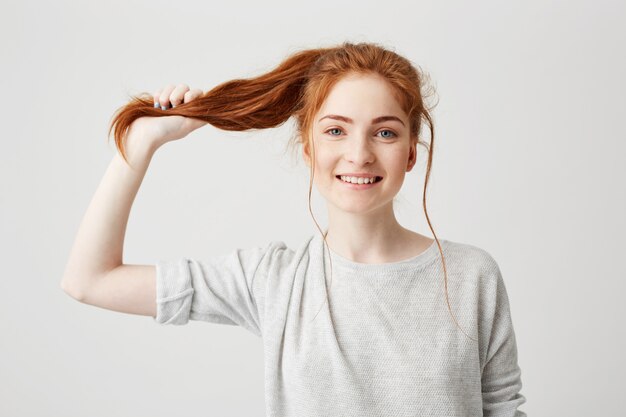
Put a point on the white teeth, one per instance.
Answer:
(358, 180)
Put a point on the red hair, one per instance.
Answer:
(298, 87)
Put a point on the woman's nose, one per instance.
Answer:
(359, 151)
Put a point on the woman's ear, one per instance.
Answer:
(412, 156)
(305, 155)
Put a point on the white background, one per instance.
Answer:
(529, 165)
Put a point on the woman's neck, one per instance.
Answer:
(372, 238)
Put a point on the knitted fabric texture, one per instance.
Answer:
(383, 344)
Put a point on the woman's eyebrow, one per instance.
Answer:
(349, 120)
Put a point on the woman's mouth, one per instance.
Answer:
(358, 183)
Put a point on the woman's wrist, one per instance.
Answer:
(140, 148)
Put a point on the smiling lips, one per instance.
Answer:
(359, 182)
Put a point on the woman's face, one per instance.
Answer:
(361, 129)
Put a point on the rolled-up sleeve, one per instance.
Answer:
(222, 289)
(501, 374)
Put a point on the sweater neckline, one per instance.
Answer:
(424, 257)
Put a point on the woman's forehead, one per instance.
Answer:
(362, 96)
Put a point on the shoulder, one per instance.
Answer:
(276, 252)
(278, 255)
(471, 259)
(475, 267)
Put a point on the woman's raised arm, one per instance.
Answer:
(95, 273)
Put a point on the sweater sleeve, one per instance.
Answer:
(223, 289)
(501, 374)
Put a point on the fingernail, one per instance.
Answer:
(173, 106)
(156, 105)
(163, 108)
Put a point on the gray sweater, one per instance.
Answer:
(383, 344)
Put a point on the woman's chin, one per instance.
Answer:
(355, 207)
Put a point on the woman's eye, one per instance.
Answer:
(334, 128)
(387, 136)
(390, 134)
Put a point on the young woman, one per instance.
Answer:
(358, 320)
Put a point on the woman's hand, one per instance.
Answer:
(163, 129)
